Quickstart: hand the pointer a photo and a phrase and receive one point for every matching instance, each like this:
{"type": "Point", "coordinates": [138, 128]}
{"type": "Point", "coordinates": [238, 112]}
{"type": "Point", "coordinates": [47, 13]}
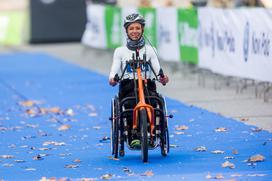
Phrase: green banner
{"type": "Point", "coordinates": [113, 26]}
{"type": "Point", "coordinates": [12, 27]}
{"type": "Point", "coordinates": [187, 34]}
{"type": "Point", "coordinates": [150, 31]}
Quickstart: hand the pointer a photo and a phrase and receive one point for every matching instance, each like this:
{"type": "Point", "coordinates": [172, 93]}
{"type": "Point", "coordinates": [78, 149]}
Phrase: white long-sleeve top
{"type": "Point", "coordinates": [123, 54]}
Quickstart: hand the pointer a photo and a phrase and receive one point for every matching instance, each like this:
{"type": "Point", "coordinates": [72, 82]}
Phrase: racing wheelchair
{"type": "Point", "coordinates": [147, 118]}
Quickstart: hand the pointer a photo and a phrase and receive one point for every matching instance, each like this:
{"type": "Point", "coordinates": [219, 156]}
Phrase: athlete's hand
{"type": "Point", "coordinates": [164, 80]}
{"type": "Point", "coordinates": [112, 82]}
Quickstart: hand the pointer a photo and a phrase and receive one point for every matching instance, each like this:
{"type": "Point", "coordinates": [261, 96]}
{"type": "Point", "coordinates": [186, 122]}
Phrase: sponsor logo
{"type": "Point", "coordinates": [164, 34]}
{"type": "Point", "coordinates": [261, 43]}
{"type": "Point", "coordinates": [188, 35]}
{"type": "Point", "coordinates": [246, 42]}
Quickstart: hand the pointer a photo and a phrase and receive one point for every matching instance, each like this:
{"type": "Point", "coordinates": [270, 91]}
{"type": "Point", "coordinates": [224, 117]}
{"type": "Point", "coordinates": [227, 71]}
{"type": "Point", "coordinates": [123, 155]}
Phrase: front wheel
{"type": "Point", "coordinates": [114, 127]}
{"type": "Point", "coordinates": [144, 135]}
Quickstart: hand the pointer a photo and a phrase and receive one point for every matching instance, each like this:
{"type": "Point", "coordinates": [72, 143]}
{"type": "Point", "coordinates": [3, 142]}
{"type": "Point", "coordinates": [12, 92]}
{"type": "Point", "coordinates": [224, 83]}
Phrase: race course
{"type": "Point", "coordinates": [54, 123]}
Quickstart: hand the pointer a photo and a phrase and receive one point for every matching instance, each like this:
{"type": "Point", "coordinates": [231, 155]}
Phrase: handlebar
{"type": "Point", "coordinates": [136, 62]}
{"type": "Point", "coordinates": [116, 78]}
{"type": "Point", "coordinates": [161, 74]}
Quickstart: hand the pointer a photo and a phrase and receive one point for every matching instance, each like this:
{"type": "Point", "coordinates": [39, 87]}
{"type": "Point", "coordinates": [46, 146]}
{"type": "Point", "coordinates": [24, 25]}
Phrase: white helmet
{"type": "Point", "coordinates": [132, 18]}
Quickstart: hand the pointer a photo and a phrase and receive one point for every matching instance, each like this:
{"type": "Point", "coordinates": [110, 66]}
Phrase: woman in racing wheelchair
{"type": "Point", "coordinates": [134, 27]}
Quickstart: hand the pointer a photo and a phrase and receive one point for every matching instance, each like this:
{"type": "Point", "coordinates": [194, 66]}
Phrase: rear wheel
{"type": "Point", "coordinates": [144, 135]}
{"type": "Point", "coordinates": [164, 142]}
{"type": "Point", "coordinates": [164, 132]}
{"type": "Point", "coordinates": [114, 128]}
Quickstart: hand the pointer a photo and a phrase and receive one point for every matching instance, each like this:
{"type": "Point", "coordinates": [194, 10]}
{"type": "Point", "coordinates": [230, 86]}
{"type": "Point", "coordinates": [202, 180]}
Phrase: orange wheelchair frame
{"type": "Point", "coordinates": [151, 121]}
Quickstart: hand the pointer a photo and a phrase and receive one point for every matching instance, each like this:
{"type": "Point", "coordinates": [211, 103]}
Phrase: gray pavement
{"type": "Point", "coordinates": [228, 96]}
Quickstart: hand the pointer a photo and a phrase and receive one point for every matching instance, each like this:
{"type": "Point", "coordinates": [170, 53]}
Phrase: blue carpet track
{"type": "Point", "coordinates": [54, 116]}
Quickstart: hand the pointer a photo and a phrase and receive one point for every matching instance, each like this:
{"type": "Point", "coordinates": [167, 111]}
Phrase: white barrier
{"type": "Point", "coordinates": [94, 34]}
{"type": "Point", "coordinates": [236, 42]}
{"type": "Point", "coordinates": [233, 42]}
{"type": "Point", "coordinates": [103, 30]}
{"type": "Point", "coordinates": [168, 46]}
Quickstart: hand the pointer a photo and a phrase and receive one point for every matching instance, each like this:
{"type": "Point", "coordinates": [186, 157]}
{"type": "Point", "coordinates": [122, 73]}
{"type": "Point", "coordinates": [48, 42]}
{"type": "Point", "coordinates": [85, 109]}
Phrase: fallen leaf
{"type": "Point", "coordinates": [30, 169]}
{"type": "Point", "coordinates": [218, 152]}
{"type": "Point", "coordinates": [31, 112]}
{"type": "Point", "coordinates": [69, 112]}
{"type": "Point", "coordinates": [228, 157]}
{"type": "Point", "coordinates": [96, 127]}
{"type": "Point", "coordinates": [38, 157]}
{"type": "Point", "coordinates": [201, 149]}
{"type": "Point", "coordinates": [256, 175]}
{"type": "Point", "coordinates": [105, 138]}
{"type": "Point", "coordinates": [53, 143]}
{"type": "Point", "coordinates": [106, 176]}
{"type": "Point", "coordinates": [173, 146]}
{"type": "Point", "coordinates": [19, 161]}
{"type": "Point", "coordinates": [113, 158]}
{"type": "Point", "coordinates": [7, 165]}
{"type": "Point", "coordinates": [65, 154]}
{"type": "Point", "coordinates": [71, 166]}
{"type": "Point", "coordinates": [221, 129]}
{"type": "Point", "coordinates": [236, 175]}
{"type": "Point", "coordinates": [43, 154]}
{"type": "Point", "coordinates": [256, 129]}
{"type": "Point", "coordinates": [28, 103]}
{"type": "Point", "coordinates": [256, 158]}
{"type": "Point", "coordinates": [3, 129]}
{"type": "Point", "coordinates": [219, 176]}
{"type": "Point", "coordinates": [32, 125]}
{"type": "Point", "coordinates": [182, 127]}
{"type": "Point", "coordinates": [148, 173]}
{"type": "Point", "coordinates": [93, 114]}
{"type": "Point", "coordinates": [228, 164]}
{"type": "Point", "coordinates": [55, 110]}
{"type": "Point", "coordinates": [43, 110]}
{"type": "Point", "coordinates": [12, 146]}
{"type": "Point", "coordinates": [44, 149]}
{"type": "Point", "coordinates": [87, 179]}
{"type": "Point", "coordinates": [235, 152]}
{"type": "Point", "coordinates": [64, 127]}
{"type": "Point", "coordinates": [127, 170]}
{"type": "Point", "coordinates": [77, 161]}
{"type": "Point", "coordinates": [6, 156]}
{"type": "Point", "coordinates": [244, 119]}
{"type": "Point", "coordinates": [209, 176]}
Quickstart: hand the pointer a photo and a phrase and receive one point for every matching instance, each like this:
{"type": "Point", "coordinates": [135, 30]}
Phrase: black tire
{"type": "Point", "coordinates": [114, 128]}
{"type": "Point", "coordinates": [164, 132]}
{"type": "Point", "coordinates": [164, 142]}
{"type": "Point", "coordinates": [122, 141]}
{"type": "Point", "coordinates": [144, 135]}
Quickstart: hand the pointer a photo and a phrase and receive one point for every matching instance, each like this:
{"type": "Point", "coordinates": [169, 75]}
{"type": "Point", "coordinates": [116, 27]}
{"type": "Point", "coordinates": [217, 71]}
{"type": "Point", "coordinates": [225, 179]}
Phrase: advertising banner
{"type": "Point", "coordinates": [12, 27]}
{"type": "Point", "coordinates": [150, 26]}
{"type": "Point", "coordinates": [95, 32]}
{"type": "Point", "coordinates": [167, 36]}
{"type": "Point", "coordinates": [113, 25]}
{"type": "Point", "coordinates": [188, 35]}
{"type": "Point", "coordinates": [236, 42]}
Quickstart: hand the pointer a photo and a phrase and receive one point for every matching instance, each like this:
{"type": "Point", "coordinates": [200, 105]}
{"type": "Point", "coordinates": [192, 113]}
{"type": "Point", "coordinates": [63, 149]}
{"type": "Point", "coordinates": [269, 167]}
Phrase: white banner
{"type": "Point", "coordinates": [167, 35]}
{"type": "Point", "coordinates": [95, 35]}
{"type": "Point", "coordinates": [236, 42]}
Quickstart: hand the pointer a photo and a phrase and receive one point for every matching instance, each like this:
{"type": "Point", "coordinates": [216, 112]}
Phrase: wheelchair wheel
{"type": "Point", "coordinates": [164, 132]}
{"type": "Point", "coordinates": [114, 127]}
{"type": "Point", "coordinates": [144, 139]}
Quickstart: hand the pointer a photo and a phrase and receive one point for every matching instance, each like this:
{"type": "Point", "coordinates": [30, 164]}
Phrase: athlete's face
{"type": "Point", "coordinates": [135, 31]}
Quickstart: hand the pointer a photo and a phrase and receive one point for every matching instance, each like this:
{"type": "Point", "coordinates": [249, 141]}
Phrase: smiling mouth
{"type": "Point", "coordinates": [135, 36]}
